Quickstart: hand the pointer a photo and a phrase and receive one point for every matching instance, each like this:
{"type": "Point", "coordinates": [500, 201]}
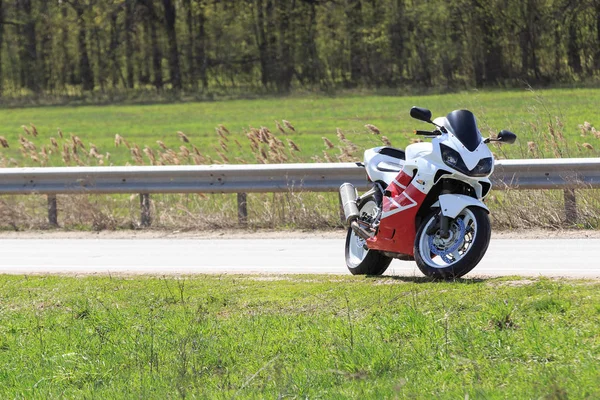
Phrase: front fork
{"type": "Point", "coordinates": [441, 225]}
{"type": "Point", "coordinates": [441, 222]}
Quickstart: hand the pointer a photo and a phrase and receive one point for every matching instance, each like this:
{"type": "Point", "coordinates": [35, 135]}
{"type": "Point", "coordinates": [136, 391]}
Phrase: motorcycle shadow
{"type": "Point", "coordinates": [383, 279]}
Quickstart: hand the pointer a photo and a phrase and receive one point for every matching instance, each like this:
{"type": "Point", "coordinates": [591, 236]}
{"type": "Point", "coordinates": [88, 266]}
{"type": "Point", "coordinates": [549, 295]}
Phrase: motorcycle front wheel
{"type": "Point", "coordinates": [456, 255]}
{"type": "Point", "coordinates": [359, 259]}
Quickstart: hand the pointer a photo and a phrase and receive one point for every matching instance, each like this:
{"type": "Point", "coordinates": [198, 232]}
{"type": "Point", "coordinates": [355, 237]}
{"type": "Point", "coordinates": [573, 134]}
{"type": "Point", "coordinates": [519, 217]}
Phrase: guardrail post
{"type": "Point", "coordinates": [52, 210]}
{"type": "Point", "coordinates": [146, 219]}
{"type": "Point", "coordinates": [242, 208]}
{"type": "Point", "coordinates": [570, 206]}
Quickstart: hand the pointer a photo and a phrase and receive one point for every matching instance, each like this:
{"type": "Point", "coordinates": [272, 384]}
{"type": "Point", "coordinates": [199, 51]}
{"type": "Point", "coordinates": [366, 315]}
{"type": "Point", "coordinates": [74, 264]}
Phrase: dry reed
{"type": "Point", "coordinates": [373, 129]}
{"type": "Point", "coordinates": [289, 125]}
{"type": "Point", "coordinates": [294, 209]}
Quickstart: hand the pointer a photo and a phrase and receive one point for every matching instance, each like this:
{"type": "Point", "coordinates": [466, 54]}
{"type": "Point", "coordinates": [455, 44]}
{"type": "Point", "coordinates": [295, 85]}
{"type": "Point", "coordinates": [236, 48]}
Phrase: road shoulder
{"type": "Point", "coordinates": [268, 234]}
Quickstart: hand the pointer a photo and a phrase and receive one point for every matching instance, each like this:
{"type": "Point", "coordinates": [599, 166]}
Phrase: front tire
{"type": "Point", "coordinates": [457, 255]}
{"type": "Point", "coordinates": [359, 260]}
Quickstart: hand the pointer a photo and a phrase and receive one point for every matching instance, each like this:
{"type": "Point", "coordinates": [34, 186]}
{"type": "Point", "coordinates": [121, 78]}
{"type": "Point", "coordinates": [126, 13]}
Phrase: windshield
{"type": "Point", "coordinates": [464, 126]}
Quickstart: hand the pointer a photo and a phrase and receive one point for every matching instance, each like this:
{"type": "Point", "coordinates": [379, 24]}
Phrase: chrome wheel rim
{"type": "Point", "coordinates": [438, 252]}
{"type": "Point", "coordinates": [357, 250]}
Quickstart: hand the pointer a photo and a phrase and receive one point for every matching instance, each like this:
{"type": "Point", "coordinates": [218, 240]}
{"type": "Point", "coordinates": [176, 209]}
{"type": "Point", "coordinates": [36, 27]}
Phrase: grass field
{"type": "Point", "coordinates": [526, 113]}
{"type": "Point", "coordinates": [298, 337]}
{"type": "Point", "coordinates": [547, 122]}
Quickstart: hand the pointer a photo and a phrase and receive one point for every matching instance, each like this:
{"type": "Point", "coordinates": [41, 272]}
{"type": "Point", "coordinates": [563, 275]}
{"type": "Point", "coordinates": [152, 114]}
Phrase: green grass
{"type": "Point", "coordinates": [526, 113]}
{"type": "Point", "coordinates": [541, 119]}
{"type": "Point", "coordinates": [298, 337]}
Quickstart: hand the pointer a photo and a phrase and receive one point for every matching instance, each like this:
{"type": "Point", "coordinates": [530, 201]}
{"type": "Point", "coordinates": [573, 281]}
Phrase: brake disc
{"type": "Point", "coordinates": [443, 253]}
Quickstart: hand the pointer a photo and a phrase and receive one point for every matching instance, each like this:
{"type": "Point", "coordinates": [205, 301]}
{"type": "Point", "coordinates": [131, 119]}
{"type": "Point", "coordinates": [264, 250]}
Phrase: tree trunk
{"type": "Point", "coordinates": [146, 55]}
{"type": "Point", "coordinates": [170, 20]}
{"type": "Point", "coordinates": [573, 51]}
{"type": "Point", "coordinates": [86, 76]}
{"type": "Point", "coordinates": [66, 71]}
{"type": "Point", "coordinates": [100, 61]}
{"type": "Point", "coordinates": [201, 60]}
{"type": "Point", "coordinates": [85, 70]}
{"type": "Point", "coordinates": [156, 57]}
{"type": "Point", "coordinates": [262, 43]}
{"type": "Point", "coordinates": [112, 51]}
{"type": "Point", "coordinates": [45, 56]}
{"type": "Point", "coordinates": [493, 62]}
{"type": "Point", "coordinates": [285, 62]}
{"type": "Point", "coordinates": [128, 45]}
{"type": "Point", "coordinates": [396, 33]}
{"type": "Point", "coordinates": [524, 44]}
{"type": "Point", "coordinates": [29, 56]}
{"type": "Point", "coordinates": [557, 55]}
{"type": "Point", "coordinates": [534, 20]}
{"type": "Point", "coordinates": [534, 60]}
{"type": "Point", "coordinates": [312, 64]}
{"type": "Point", "coordinates": [597, 53]}
{"type": "Point", "coordinates": [191, 61]}
{"type": "Point", "coordinates": [423, 74]}
{"type": "Point", "coordinates": [1, 45]}
{"type": "Point", "coordinates": [354, 24]}
{"type": "Point", "coordinates": [271, 40]}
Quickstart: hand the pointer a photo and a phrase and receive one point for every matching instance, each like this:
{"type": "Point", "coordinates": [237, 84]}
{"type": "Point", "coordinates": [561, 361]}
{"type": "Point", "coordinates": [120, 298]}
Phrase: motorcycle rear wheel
{"type": "Point", "coordinates": [359, 260]}
{"type": "Point", "coordinates": [472, 246]}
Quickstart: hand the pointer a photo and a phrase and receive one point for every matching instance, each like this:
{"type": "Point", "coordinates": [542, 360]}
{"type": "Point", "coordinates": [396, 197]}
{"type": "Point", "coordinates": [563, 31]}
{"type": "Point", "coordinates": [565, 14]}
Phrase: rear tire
{"type": "Point", "coordinates": [468, 255]}
{"type": "Point", "coordinates": [361, 261]}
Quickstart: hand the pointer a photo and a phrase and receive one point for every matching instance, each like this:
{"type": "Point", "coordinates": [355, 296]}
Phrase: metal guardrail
{"type": "Point", "coordinates": [181, 179]}
{"type": "Point", "coordinates": [566, 174]}
{"type": "Point", "coordinates": [550, 173]}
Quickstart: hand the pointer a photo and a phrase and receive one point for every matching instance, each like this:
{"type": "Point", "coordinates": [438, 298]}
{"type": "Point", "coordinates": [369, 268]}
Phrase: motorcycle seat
{"type": "Point", "coordinates": [392, 152]}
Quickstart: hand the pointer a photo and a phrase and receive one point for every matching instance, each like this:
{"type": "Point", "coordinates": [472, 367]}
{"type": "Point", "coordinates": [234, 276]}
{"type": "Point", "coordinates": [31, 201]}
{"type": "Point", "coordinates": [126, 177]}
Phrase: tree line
{"type": "Point", "coordinates": [74, 46]}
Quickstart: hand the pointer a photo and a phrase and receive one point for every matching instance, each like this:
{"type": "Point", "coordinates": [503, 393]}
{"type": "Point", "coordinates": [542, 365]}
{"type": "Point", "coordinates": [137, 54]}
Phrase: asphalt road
{"type": "Point", "coordinates": [527, 257]}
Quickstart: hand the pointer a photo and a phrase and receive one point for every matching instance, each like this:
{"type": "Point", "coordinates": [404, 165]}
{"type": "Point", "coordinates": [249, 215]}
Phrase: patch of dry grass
{"type": "Point", "coordinates": [510, 209]}
{"type": "Point", "coordinates": [173, 211]}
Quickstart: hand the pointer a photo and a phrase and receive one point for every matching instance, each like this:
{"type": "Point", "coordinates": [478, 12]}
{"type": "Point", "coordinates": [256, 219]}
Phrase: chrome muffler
{"type": "Point", "coordinates": [348, 197]}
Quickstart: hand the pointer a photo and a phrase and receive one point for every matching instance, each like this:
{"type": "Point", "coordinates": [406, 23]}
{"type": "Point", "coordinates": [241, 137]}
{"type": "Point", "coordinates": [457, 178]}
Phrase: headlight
{"type": "Point", "coordinates": [483, 167]}
{"type": "Point", "coordinates": [453, 159]}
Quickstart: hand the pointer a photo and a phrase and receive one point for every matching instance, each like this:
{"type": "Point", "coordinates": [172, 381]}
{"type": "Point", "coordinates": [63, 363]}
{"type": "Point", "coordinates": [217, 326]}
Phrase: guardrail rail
{"type": "Point", "coordinates": [567, 174]}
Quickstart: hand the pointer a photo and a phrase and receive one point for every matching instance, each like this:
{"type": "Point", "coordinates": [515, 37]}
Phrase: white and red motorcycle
{"type": "Point", "coordinates": [426, 204]}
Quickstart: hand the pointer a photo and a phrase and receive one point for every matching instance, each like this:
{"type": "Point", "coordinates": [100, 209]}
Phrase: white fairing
{"type": "Point", "coordinates": [381, 167]}
{"type": "Point", "coordinates": [452, 204]}
{"type": "Point", "coordinates": [424, 160]}
{"type": "Point", "coordinates": [417, 150]}
{"type": "Point", "coordinates": [471, 158]}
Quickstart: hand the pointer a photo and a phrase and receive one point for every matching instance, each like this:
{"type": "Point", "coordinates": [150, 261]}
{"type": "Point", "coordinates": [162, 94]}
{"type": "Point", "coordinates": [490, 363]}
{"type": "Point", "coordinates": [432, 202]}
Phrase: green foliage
{"type": "Point", "coordinates": [546, 122]}
{"type": "Point", "coordinates": [305, 336]}
{"type": "Point", "coordinates": [206, 47]}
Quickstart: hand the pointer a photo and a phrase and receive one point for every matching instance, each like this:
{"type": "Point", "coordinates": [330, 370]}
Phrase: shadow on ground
{"type": "Point", "coordinates": [426, 279]}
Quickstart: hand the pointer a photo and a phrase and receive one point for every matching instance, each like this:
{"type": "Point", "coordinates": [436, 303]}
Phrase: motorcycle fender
{"type": "Point", "coordinates": [452, 204]}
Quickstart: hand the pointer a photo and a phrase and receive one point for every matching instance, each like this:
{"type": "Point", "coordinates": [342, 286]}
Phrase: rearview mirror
{"type": "Point", "coordinates": [506, 137]}
{"type": "Point", "coordinates": [422, 114]}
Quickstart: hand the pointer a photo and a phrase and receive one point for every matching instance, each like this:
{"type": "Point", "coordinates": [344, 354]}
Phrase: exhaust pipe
{"type": "Point", "coordinates": [348, 196]}
{"type": "Point", "coordinates": [360, 231]}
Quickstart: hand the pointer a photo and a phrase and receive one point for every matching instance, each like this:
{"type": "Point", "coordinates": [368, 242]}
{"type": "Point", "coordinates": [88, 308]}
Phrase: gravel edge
{"type": "Point", "coordinates": [267, 234]}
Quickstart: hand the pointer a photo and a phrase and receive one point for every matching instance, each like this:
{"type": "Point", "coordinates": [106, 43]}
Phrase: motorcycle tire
{"type": "Point", "coordinates": [469, 260]}
{"type": "Point", "coordinates": [361, 261]}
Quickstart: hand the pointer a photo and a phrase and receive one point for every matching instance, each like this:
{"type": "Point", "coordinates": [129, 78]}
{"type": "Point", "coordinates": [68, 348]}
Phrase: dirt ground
{"type": "Point", "coordinates": [268, 234]}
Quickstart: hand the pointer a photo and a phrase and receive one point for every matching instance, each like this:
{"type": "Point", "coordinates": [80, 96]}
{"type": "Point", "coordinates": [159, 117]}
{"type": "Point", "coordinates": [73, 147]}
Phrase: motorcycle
{"type": "Point", "coordinates": [426, 203]}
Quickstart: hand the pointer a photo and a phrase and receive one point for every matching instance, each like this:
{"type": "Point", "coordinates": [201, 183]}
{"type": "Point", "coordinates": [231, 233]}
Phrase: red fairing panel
{"type": "Point", "coordinates": [397, 229]}
{"type": "Point", "coordinates": [399, 184]}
